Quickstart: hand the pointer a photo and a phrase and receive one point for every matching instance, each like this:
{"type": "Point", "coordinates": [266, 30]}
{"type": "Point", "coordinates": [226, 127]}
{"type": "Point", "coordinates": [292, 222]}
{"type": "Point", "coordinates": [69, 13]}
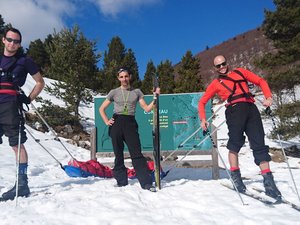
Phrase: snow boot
{"type": "Point", "coordinates": [121, 176]}
{"type": "Point", "coordinates": [149, 187]}
{"type": "Point", "coordinates": [270, 186]}
{"type": "Point", "coordinates": [237, 179]}
{"type": "Point", "coordinates": [23, 189]}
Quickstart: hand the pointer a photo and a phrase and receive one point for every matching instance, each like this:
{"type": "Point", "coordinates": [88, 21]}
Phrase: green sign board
{"type": "Point", "coordinates": [178, 120]}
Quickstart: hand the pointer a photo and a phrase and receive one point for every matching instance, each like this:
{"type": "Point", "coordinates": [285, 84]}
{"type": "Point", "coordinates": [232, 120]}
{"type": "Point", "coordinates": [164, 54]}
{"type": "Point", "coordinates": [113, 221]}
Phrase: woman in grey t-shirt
{"type": "Point", "coordinates": [124, 128]}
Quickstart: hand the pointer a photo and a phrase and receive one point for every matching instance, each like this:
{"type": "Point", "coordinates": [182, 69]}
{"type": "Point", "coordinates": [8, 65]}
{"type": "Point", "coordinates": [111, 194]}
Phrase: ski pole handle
{"type": "Point", "coordinates": [155, 82]}
{"type": "Point", "coordinates": [205, 132]}
{"type": "Point", "coordinates": [268, 111]}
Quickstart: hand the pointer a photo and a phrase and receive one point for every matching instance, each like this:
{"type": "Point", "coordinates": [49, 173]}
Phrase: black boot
{"type": "Point", "coordinates": [23, 189]}
{"type": "Point", "coordinates": [121, 176]}
{"type": "Point", "coordinates": [149, 187]}
{"type": "Point", "coordinates": [143, 173]}
{"type": "Point", "coordinates": [270, 186]}
{"type": "Point", "coordinates": [237, 179]}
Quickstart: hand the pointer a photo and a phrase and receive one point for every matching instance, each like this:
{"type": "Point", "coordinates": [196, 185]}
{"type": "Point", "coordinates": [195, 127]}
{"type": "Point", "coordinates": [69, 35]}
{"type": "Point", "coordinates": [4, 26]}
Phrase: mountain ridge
{"type": "Point", "coordinates": [240, 51]}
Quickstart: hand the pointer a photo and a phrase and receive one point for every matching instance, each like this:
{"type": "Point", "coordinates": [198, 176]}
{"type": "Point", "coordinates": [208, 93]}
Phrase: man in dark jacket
{"type": "Point", "coordinates": [14, 68]}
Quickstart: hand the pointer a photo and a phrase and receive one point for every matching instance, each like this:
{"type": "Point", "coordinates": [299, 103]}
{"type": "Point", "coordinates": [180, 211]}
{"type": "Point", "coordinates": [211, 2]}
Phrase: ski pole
{"type": "Point", "coordinates": [188, 138]}
{"type": "Point", "coordinates": [223, 162]}
{"type": "Point", "coordinates": [268, 111]}
{"type": "Point", "coordinates": [195, 132]}
{"type": "Point", "coordinates": [195, 146]}
{"type": "Point", "coordinates": [37, 141]}
{"type": "Point", "coordinates": [156, 133]}
{"type": "Point", "coordinates": [18, 161]}
{"type": "Point", "coordinates": [50, 129]}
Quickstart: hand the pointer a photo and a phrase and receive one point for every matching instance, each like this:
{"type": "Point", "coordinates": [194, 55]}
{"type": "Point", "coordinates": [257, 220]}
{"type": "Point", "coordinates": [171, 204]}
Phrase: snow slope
{"type": "Point", "coordinates": [188, 195]}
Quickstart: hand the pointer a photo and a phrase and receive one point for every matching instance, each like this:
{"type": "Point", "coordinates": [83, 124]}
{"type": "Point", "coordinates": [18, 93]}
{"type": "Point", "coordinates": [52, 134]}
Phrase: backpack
{"type": "Point", "coordinates": [232, 97]}
{"type": "Point", "coordinates": [7, 86]}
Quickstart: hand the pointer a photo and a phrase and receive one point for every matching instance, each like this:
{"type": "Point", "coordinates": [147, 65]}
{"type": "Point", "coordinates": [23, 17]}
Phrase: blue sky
{"type": "Point", "coordinates": [153, 29]}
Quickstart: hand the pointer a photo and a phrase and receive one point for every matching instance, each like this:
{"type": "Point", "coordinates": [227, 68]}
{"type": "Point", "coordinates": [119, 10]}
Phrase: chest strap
{"type": "Point", "coordinates": [7, 88]}
{"type": "Point", "coordinates": [232, 96]}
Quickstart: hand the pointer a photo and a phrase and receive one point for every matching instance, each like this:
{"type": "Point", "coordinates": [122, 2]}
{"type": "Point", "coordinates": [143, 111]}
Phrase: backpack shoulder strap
{"type": "Point", "coordinates": [9, 66]}
{"type": "Point", "coordinates": [223, 84]}
{"type": "Point", "coordinates": [226, 78]}
{"type": "Point", "coordinates": [240, 73]}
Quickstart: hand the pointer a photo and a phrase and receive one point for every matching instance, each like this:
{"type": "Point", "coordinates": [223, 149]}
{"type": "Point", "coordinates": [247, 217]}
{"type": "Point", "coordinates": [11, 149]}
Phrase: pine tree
{"type": "Point", "coordinates": [147, 83]}
{"type": "Point", "coordinates": [74, 64]}
{"type": "Point", "coordinates": [2, 27]}
{"type": "Point", "coordinates": [113, 61]}
{"type": "Point", "coordinates": [166, 75]}
{"type": "Point", "coordinates": [283, 27]}
{"type": "Point", "coordinates": [130, 63]}
{"type": "Point", "coordinates": [188, 79]}
{"type": "Point", "coordinates": [38, 53]}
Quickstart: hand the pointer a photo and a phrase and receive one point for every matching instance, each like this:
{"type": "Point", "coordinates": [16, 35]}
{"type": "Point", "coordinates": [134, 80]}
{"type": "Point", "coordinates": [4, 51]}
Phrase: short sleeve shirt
{"type": "Point", "coordinates": [18, 71]}
{"type": "Point", "coordinates": [122, 98]}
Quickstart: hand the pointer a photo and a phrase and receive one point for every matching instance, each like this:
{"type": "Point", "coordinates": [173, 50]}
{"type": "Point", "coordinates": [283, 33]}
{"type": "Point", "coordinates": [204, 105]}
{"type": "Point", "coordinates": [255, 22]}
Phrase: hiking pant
{"type": "Point", "coordinates": [10, 119]}
{"type": "Point", "coordinates": [125, 129]}
{"type": "Point", "coordinates": [245, 117]}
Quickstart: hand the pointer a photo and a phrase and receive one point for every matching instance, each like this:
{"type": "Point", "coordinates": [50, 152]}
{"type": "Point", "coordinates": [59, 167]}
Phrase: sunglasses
{"type": "Point", "coordinates": [15, 41]}
{"type": "Point", "coordinates": [122, 70]}
{"type": "Point", "coordinates": [220, 65]}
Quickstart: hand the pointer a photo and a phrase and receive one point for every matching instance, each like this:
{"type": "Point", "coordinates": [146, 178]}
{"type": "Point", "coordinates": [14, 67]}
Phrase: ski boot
{"type": "Point", "coordinates": [23, 189]}
{"type": "Point", "coordinates": [237, 179]}
{"type": "Point", "coordinates": [270, 186]}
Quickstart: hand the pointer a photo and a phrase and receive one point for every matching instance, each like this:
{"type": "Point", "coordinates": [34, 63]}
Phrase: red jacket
{"type": "Point", "coordinates": [215, 87]}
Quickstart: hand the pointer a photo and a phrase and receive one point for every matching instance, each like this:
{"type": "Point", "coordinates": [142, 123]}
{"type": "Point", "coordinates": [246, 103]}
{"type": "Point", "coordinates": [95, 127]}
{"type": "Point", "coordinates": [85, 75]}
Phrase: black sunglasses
{"type": "Point", "coordinates": [221, 64]}
{"type": "Point", "coordinates": [15, 41]}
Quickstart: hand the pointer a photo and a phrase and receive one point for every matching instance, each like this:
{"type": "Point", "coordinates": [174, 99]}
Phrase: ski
{"type": "Point", "coordinates": [155, 133]}
{"type": "Point", "coordinates": [251, 195]}
{"type": "Point", "coordinates": [282, 200]}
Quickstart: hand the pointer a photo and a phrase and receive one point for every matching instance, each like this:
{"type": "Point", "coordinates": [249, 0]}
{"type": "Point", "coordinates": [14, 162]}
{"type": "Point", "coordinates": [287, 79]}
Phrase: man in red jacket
{"type": "Point", "coordinates": [242, 116]}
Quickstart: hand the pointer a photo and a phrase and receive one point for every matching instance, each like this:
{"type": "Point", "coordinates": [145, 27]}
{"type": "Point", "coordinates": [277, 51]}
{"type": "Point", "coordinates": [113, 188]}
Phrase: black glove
{"type": "Point", "coordinates": [268, 111]}
{"type": "Point", "coordinates": [22, 98]}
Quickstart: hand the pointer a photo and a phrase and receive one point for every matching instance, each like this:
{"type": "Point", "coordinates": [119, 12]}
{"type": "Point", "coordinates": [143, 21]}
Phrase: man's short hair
{"type": "Point", "coordinates": [14, 30]}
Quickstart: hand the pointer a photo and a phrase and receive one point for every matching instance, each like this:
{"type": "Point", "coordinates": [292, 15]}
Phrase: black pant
{"type": "Point", "coordinates": [10, 119]}
{"type": "Point", "coordinates": [125, 129]}
{"type": "Point", "coordinates": [245, 117]}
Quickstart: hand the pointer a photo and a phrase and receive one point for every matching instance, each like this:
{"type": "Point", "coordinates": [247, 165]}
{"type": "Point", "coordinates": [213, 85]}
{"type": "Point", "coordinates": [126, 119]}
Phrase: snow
{"type": "Point", "coordinates": [188, 195]}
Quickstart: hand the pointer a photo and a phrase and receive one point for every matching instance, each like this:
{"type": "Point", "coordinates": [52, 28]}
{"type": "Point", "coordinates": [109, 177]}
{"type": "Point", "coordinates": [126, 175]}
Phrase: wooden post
{"type": "Point", "coordinates": [93, 140]}
{"type": "Point", "coordinates": [215, 158]}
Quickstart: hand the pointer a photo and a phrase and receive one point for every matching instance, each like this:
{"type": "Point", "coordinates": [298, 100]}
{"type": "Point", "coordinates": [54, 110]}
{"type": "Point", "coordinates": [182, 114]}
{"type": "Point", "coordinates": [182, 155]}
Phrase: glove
{"type": "Point", "coordinates": [22, 98]}
{"type": "Point", "coordinates": [268, 111]}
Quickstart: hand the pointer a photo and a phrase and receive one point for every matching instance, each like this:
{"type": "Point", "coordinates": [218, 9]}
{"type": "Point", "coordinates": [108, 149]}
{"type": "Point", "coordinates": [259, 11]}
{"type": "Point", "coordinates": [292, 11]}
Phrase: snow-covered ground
{"type": "Point", "coordinates": [188, 195]}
